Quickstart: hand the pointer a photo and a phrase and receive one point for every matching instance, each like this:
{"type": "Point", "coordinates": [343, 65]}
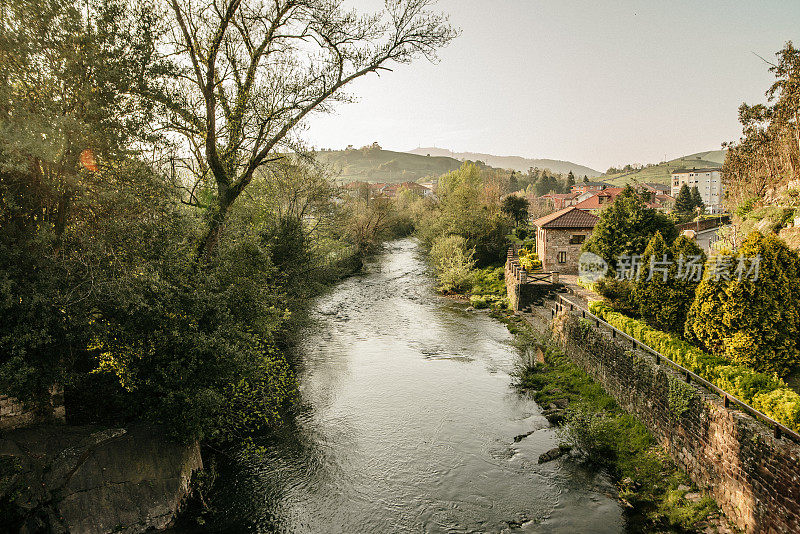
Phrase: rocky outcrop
{"type": "Point", "coordinates": [90, 480]}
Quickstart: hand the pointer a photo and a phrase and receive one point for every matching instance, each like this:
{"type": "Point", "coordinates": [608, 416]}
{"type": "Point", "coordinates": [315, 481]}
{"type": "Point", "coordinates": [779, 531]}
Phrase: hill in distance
{"type": "Point", "coordinates": [516, 163]}
{"type": "Point", "coordinates": [661, 173]}
{"type": "Point", "coordinates": [377, 165]}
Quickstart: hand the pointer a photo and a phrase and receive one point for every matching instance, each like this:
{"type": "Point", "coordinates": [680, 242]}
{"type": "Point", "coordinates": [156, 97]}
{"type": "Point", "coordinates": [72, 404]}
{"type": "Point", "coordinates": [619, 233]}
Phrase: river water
{"type": "Point", "coordinates": [408, 425]}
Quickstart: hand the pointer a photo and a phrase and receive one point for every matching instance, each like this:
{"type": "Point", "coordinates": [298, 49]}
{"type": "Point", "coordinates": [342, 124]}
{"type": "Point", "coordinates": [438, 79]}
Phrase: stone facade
{"type": "Point", "coordinates": [553, 245]}
{"type": "Point", "coordinates": [752, 475]}
{"type": "Point", "coordinates": [17, 414]}
{"type": "Point", "coordinates": [521, 291]}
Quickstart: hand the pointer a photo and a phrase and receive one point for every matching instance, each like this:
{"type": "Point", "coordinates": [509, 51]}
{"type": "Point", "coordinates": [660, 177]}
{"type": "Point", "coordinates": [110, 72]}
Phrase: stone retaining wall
{"type": "Point", "coordinates": [754, 477]}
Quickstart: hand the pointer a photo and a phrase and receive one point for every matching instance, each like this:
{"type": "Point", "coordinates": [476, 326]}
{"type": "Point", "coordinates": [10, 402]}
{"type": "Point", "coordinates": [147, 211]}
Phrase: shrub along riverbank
{"type": "Point", "coordinates": [658, 497]}
{"type": "Point", "coordinates": [764, 392]}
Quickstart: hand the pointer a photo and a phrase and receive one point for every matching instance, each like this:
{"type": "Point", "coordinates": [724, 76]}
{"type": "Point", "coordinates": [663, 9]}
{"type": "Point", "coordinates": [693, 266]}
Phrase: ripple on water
{"type": "Point", "coordinates": [410, 426]}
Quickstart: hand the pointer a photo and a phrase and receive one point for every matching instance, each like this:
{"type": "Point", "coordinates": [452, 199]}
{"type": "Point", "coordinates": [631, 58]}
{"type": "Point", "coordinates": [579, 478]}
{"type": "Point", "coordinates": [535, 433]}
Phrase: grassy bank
{"type": "Point", "coordinates": [657, 496]}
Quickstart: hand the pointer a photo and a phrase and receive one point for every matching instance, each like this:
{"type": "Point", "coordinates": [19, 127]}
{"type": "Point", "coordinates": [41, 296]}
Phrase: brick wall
{"type": "Point", "coordinates": [16, 414]}
{"type": "Point", "coordinates": [754, 477]}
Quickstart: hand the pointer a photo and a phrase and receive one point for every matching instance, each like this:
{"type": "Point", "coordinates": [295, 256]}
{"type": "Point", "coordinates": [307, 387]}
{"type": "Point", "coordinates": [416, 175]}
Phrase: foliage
{"type": "Point", "coordinates": [101, 288]}
{"type": "Point", "coordinates": [468, 206]}
{"type": "Point", "coordinates": [683, 202]}
{"type": "Point", "coordinates": [489, 281]}
{"type": "Point", "coordinates": [453, 263]}
{"type": "Point", "coordinates": [767, 153]}
{"type": "Point", "coordinates": [762, 391]}
{"type": "Point", "coordinates": [752, 322]}
{"type": "Point", "coordinates": [626, 226]}
{"type": "Point", "coordinates": [478, 302]}
{"type": "Point", "coordinates": [529, 260]}
{"type": "Point", "coordinates": [697, 199]}
{"type": "Point", "coordinates": [608, 436]}
{"type": "Point", "coordinates": [619, 293]}
{"type": "Point", "coordinates": [664, 298]}
{"type": "Point", "coordinates": [515, 207]}
{"type": "Point", "coordinates": [247, 75]}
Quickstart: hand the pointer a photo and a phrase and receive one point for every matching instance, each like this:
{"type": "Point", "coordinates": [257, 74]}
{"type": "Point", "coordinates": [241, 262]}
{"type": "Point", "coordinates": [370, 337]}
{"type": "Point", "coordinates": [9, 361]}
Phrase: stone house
{"type": "Point", "coordinates": [560, 236]}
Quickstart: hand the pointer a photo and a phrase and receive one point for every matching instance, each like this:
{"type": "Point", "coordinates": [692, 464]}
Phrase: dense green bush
{"type": "Point", "coordinates": [489, 281]}
{"type": "Point", "coordinates": [453, 263]}
{"type": "Point", "coordinates": [762, 391]}
{"type": "Point", "coordinates": [752, 322]}
{"type": "Point", "coordinates": [664, 296]}
{"type": "Point", "coordinates": [619, 293]}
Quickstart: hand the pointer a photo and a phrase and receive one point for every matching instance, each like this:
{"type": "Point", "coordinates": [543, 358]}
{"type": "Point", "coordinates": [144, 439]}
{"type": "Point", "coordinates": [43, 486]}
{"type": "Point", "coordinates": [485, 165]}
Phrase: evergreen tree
{"type": "Point", "coordinates": [570, 181]}
{"type": "Point", "coordinates": [755, 322]}
{"type": "Point", "coordinates": [665, 290]}
{"type": "Point", "coordinates": [683, 203]}
{"type": "Point", "coordinates": [516, 207]}
{"type": "Point", "coordinates": [697, 200]}
{"type": "Point", "coordinates": [626, 227]}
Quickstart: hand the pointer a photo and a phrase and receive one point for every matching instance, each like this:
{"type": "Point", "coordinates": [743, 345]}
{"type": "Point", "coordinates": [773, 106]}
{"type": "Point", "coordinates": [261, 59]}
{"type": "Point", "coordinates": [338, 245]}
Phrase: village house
{"type": "Point", "coordinates": [599, 200]}
{"type": "Point", "coordinates": [583, 187]}
{"type": "Point", "coordinates": [561, 200]}
{"type": "Point", "coordinates": [560, 236]}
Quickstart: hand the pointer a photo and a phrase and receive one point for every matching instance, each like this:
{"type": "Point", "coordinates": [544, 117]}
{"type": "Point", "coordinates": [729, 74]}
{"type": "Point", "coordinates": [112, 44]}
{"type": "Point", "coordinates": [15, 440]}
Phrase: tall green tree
{"type": "Point", "coordinates": [251, 71]}
{"type": "Point", "coordinates": [666, 289]}
{"type": "Point", "coordinates": [626, 227]}
{"type": "Point", "coordinates": [683, 202]}
{"type": "Point", "coordinates": [768, 153]}
{"type": "Point", "coordinates": [697, 200]}
{"type": "Point", "coordinates": [570, 181]}
{"type": "Point", "coordinates": [516, 207]}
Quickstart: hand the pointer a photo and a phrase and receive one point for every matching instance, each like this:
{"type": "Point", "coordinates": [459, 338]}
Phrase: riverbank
{"type": "Point", "coordinates": [406, 423]}
{"type": "Point", "coordinates": [657, 496]}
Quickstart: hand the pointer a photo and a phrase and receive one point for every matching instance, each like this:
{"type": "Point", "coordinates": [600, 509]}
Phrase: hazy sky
{"type": "Point", "coordinates": [595, 82]}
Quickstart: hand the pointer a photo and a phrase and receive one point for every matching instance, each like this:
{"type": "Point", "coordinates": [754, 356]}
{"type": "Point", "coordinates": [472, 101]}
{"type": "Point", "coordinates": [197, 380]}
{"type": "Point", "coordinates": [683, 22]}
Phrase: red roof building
{"type": "Point", "coordinates": [599, 201]}
{"type": "Point", "coordinates": [560, 236]}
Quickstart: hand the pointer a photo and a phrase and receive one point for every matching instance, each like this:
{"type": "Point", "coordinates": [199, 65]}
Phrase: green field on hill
{"type": "Point", "coordinates": [376, 165]}
{"type": "Point", "coordinates": [661, 173]}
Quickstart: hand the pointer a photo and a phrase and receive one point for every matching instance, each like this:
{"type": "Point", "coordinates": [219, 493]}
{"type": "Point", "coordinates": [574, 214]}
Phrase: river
{"type": "Point", "coordinates": [408, 425]}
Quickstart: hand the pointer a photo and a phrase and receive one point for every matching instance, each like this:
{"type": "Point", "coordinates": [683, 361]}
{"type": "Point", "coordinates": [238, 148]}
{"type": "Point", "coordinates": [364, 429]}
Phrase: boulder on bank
{"type": "Point", "coordinates": [61, 478]}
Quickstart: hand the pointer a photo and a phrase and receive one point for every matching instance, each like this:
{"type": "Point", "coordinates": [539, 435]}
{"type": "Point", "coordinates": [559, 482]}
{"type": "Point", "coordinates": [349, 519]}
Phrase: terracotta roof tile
{"type": "Point", "coordinates": [570, 217]}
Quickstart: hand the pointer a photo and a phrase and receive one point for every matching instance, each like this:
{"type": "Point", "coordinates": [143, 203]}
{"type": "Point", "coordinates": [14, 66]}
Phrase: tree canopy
{"type": "Point", "coordinates": [626, 226]}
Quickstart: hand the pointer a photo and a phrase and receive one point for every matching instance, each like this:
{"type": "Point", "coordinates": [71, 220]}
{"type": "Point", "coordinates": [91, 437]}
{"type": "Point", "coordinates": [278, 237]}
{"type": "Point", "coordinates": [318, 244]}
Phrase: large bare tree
{"type": "Point", "coordinates": [249, 71]}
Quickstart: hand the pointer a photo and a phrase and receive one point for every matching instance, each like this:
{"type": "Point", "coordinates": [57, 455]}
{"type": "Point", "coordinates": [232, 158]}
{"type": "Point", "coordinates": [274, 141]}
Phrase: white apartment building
{"type": "Point", "coordinates": [708, 182]}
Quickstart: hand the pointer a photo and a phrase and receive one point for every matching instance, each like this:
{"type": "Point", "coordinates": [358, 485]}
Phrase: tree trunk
{"type": "Point", "coordinates": [209, 242]}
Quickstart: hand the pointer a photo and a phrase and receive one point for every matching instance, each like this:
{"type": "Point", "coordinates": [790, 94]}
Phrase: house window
{"type": "Point", "coordinates": [577, 239]}
{"type": "Point", "coordinates": [562, 257]}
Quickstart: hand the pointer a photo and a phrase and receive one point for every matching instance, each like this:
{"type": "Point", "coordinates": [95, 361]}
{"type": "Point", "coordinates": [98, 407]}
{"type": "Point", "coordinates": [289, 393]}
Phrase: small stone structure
{"type": "Point", "coordinates": [752, 475]}
{"type": "Point", "coordinates": [560, 237]}
{"type": "Point", "coordinates": [17, 414]}
{"type": "Point", "coordinates": [525, 289]}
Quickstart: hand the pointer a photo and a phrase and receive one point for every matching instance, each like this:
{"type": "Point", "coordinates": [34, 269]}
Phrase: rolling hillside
{"type": "Point", "coordinates": [517, 163]}
{"type": "Point", "coordinates": [374, 165]}
{"type": "Point", "coordinates": [661, 173]}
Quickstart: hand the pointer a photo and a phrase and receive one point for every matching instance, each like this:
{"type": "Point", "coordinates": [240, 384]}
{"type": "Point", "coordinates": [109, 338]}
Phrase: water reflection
{"type": "Point", "coordinates": [409, 426]}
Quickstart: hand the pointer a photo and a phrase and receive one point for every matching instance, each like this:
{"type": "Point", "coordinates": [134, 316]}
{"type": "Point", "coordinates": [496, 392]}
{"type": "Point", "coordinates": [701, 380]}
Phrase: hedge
{"type": "Point", "coordinates": [763, 392]}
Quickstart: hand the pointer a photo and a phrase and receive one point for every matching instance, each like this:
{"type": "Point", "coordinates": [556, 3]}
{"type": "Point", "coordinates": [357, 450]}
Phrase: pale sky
{"type": "Point", "coordinates": [598, 83]}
